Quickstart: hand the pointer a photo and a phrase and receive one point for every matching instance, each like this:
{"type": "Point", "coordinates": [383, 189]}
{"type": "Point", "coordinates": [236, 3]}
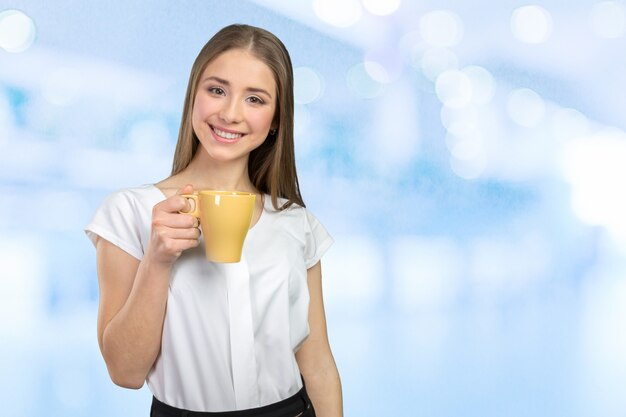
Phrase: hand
{"type": "Point", "coordinates": [172, 231]}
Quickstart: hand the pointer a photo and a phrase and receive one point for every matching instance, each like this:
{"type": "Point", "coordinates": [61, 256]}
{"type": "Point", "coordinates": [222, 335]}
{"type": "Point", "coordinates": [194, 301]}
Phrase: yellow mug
{"type": "Point", "coordinates": [225, 218]}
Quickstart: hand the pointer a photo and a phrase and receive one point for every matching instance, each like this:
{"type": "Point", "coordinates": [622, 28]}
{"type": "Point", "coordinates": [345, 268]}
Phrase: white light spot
{"type": "Point", "coordinates": [441, 28]}
{"type": "Point", "coordinates": [525, 107]}
{"type": "Point", "coordinates": [483, 84]}
{"type": "Point", "coordinates": [454, 89]}
{"type": "Point", "coordinates": [384, 64]}
{"type": "Point", "coordinates": [459, 121]}
{"type": "Point", "coordinates": [595, 168]}
{"type": "Point", "coordinates": [608, 19]}
{"type": "Point", "coordinates": [466, 148]}
{"type": "Point", "coordinates": [531, 24]}
{"type": "Point", "coordinates": [434, 61]}
{"type": "Point", "coordinates": [361, 83]}
{"type": "Point", "coordinates": [468, 169]}
{"type": "Point", "coordinates": [308, 85]}
{"type": "Point", "coordinates": [17, 31]}
{"type": "Point", "coordinates": [381, 7]}
{"type": "Point", "coordinates": [467, 155]}
{"type": "Point", "coordinates": [377, 72]}
{"type": "Point", "coordinates": [339, 13]}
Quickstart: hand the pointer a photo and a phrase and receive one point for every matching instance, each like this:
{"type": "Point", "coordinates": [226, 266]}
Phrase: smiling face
{"type": "Point", "coordinates": [234, 106]}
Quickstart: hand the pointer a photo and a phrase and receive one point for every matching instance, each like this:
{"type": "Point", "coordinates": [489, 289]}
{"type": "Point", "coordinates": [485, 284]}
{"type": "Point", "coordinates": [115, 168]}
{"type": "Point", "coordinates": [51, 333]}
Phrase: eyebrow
{"type": "Point", "coordinates": [227, 83]}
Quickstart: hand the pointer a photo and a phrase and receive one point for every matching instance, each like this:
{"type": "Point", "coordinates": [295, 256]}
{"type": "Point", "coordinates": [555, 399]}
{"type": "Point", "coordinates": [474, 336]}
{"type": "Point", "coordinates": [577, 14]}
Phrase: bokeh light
{"type": "Point", "coordinates": [361, 83]}
{"type": "Point", "coordinates": [468, 168]}
{"type": "Point", "coordinates": [466, 147]}
{"type": "Point", "coordinates": [384, 64]}
{"type": "Point", "coordinates": [454, 88]}
{"type": "Point", "coordinates": [459, 121]}
{"type": "Point", "coordinates": [595, 168]}
{"type": "Point", "coordinates": [483, 84]}
{"type": "Point", "coordinates": [339, 13]}
{"type": "Point", "coordinates": [377, 71]}
{"type": "Point", "coordinates": [531, 24]}
{"type": "Point", "coordinates": [17, 31]}
{"type": "Point", "coordinates": [435, 61]}
{"type": "Point", "coordinates": [525, 107]}
{"type": "Point", "coordinates": [441, 28]}
{"type": "Point", "coordinates": [308, 85]}
{"type": "Point", "coordinates": [381, 7]}
{"type": "Point", "coordinates": [608, 19]}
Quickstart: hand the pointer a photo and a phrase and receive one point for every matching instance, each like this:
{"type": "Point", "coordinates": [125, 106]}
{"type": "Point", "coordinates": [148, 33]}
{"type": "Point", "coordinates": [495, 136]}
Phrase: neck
{"type": "Point", "coordinates": [204, 172]}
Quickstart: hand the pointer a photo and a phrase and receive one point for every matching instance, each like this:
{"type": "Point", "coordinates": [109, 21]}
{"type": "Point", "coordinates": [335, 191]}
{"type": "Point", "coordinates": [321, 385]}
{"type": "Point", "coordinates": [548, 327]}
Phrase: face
{"type": "Point", "coordinates": [234, 106]}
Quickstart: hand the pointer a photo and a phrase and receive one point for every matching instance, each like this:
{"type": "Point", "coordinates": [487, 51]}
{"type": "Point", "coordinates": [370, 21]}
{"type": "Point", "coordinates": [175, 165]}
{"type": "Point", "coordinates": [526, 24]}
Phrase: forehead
{"type": "Point", "coordinates": [239, 66]}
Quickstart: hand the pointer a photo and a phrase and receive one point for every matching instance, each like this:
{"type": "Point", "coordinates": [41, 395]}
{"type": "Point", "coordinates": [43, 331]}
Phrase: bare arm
{"type": "Point", "coordinates": [315, 358]}
{"type": "Point", "coordinates": [133, 294]}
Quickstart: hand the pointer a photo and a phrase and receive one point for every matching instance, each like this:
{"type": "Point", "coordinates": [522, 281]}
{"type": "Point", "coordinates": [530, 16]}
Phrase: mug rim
{"type": "Point", "coordinates": [225, 192]}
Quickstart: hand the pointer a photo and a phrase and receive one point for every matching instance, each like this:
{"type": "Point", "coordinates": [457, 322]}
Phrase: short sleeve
{"type": "Point", "coordinates": [317, 240]}
{"type": "Point", "coordinates": [117, 220]}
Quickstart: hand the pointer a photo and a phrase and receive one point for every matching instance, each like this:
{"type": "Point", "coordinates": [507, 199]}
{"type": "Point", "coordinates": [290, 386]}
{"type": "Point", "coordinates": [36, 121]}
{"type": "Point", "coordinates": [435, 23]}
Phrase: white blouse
{"type": "Point", "coordinates": [231, 330]}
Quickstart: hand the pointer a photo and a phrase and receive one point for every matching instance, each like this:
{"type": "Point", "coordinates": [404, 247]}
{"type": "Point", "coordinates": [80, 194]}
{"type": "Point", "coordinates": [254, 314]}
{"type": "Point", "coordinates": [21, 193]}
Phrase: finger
{"type": "Point", "coordinates": [175, 204]}
{"type": "Point", "coordinates": [185, 234]}
{"type": "Point", "coordinates": [187, 189]}
{"type": "Point", "coordinates": [190, 204]}
{"type": "Point", "coordinates": [176, 236]}
{"type": "Point", "coordinates": [174, 220]}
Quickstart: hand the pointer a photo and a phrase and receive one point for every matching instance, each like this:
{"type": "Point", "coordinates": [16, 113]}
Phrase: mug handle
{"type": "Point", "coordinates": [196, 209]}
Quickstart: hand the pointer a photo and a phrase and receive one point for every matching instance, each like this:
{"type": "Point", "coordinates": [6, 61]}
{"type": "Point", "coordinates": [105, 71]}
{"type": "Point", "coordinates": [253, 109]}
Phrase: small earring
{"type": "Point", "coordinates": [272, 132]}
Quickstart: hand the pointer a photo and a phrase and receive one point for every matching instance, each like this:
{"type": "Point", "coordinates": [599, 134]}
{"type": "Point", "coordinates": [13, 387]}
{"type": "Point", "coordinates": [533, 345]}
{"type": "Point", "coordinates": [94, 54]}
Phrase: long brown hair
{"type": "Point", "coordinates": [271, 166]}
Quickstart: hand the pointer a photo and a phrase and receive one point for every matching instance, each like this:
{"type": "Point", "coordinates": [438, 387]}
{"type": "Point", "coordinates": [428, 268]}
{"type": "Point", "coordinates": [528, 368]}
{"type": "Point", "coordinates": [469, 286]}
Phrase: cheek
{"type": "Point", "coordinates": [262, 120]}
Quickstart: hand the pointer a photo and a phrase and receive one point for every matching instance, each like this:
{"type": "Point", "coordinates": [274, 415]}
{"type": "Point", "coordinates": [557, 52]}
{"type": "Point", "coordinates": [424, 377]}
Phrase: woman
{"type": "Point", "coordinates": [221, 339]}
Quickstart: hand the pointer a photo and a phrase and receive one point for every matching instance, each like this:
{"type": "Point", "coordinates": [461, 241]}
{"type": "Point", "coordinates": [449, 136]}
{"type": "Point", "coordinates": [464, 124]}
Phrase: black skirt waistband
{"type": "Point", "coordinates": [290, 407]}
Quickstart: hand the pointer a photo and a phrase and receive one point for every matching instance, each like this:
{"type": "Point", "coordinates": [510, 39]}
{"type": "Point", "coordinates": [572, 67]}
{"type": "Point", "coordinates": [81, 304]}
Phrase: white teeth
{"type": "Point", "coordinates": [227, 135]}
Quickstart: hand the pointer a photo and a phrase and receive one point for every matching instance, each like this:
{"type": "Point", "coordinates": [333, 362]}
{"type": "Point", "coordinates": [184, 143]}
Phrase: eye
{"type": "Point", "coordinates": [255, 100]}
{"type": "Point", "coordinates": [216, 90]}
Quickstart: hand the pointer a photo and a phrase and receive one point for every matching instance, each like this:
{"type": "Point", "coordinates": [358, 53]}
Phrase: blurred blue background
{"type": "Point", "coordinates": [468, 158]}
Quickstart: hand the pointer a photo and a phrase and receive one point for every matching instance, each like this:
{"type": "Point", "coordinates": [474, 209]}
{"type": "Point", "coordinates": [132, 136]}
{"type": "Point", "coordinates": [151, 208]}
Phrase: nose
{"type": "Point", "coordinates": [230, 111]}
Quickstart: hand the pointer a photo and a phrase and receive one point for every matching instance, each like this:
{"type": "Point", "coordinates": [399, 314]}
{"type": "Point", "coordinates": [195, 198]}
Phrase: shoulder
{"type": "Point", "coordinates": [293, 211]}
{"type": "Point", "coordinates": [296, 217]}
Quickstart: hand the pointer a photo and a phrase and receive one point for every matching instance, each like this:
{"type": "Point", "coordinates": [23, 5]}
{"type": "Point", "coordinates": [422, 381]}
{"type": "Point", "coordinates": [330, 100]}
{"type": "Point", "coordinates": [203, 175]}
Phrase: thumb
{"type": "Point", "coordinates": [190, 205]}
{"type": "Point", "coordinates": [187, 189]}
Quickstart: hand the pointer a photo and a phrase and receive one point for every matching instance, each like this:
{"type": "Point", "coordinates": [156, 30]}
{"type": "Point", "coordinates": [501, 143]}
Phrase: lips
{"type": "Point", "coordinates": [225, 136]}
